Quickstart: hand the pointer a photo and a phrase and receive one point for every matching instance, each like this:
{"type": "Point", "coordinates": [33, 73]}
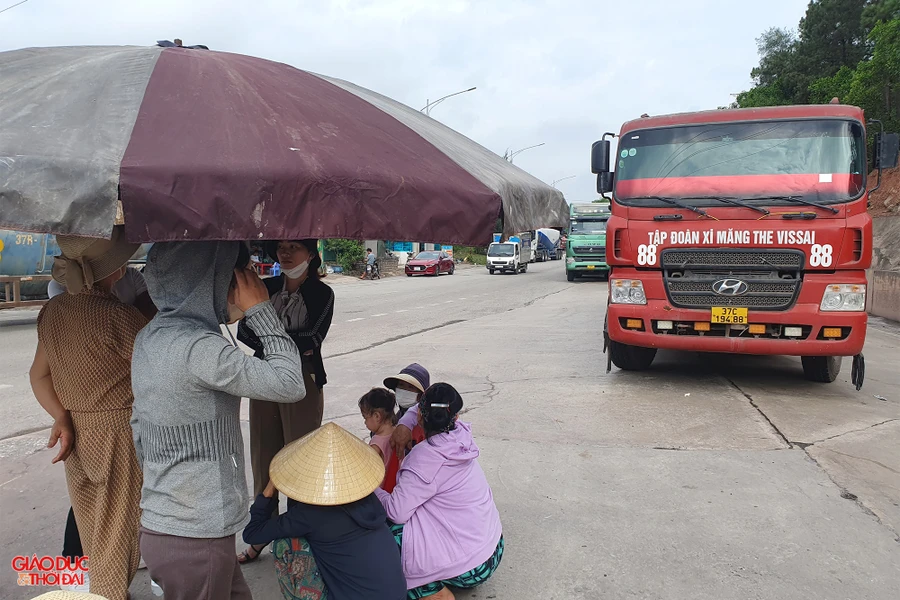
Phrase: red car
{"type": "Point", "coordinates": [430, 263]}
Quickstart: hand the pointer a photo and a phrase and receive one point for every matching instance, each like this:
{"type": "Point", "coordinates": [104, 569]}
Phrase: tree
{"type": "Point", "coordinates": [349, 252]}
{"type": "Point", "coordinates": [880, 11]}
{"type": "Point", "coordinates": [832, 36]}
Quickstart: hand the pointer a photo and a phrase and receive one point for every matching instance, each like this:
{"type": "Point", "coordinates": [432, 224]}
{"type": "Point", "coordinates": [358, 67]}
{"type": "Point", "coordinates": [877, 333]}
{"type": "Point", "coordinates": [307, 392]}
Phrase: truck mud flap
{"type": "Point", "coordinates": [858, 372]}
{"type": "Point", "coordinates": [606, 345]}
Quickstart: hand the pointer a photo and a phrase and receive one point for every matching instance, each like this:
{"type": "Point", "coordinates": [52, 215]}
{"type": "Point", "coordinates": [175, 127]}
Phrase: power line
{"type": "Point", "coordinates": [13, 6]}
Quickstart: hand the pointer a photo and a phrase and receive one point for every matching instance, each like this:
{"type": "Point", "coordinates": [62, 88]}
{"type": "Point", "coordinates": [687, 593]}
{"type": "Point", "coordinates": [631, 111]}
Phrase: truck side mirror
{"type": "Point", "coordinates": [605, 182]}
{"type": "Point", "coordinates": [600, 157]}
{"type": "Point", "coordinates": [887, 150]}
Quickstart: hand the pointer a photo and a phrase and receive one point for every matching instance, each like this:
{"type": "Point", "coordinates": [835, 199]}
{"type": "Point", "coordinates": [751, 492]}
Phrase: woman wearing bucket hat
{"type": "Point", "coordinates": [408, 386]}
{"type": "Point", "coordinates": [305, 305]}
{"type": "Point", "coordinates": [443, 511]}
{"type": "Point", "coordinates": [334, 540]}
{"type": "Point", "coordinates": [82, 376]}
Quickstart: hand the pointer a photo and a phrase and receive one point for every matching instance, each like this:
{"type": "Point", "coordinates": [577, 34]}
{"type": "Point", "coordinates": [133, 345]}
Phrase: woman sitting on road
{"type": "Point", "coordinates": [305, 305]}
{"type": "Point", "coordinates": [446, 523]}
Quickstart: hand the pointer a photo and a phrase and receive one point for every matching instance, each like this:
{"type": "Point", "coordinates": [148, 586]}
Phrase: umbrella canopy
{"type": "Point", "coordinates": [196, 145]}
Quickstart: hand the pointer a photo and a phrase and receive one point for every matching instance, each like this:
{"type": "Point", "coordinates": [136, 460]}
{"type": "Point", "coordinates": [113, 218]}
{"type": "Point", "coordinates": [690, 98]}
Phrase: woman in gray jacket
{"type": "Point", "coordinates": [188, 382]}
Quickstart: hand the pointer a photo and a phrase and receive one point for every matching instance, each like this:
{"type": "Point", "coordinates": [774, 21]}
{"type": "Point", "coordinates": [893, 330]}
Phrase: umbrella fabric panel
{"type": "Point", "coordinates": [234, 147]}
{"type": "Point", "coordinates": [66, 116]}
{"type": "Point", "coordinates": [528, 202]}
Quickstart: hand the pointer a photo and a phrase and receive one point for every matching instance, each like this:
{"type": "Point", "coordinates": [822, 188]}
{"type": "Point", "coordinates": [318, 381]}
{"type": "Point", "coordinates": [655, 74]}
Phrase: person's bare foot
{"type": "Point", "coordinates": [444, 594]}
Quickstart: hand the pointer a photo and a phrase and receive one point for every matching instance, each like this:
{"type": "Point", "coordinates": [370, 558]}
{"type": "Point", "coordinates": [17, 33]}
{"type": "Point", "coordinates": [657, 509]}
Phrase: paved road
{"type": "Point", "coordinates": [705, 477]}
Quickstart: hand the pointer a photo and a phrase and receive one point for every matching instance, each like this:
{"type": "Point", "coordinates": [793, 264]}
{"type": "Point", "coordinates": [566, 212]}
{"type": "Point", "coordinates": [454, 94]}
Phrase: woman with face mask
{"type": "Point", "coordinates": [305, 305]}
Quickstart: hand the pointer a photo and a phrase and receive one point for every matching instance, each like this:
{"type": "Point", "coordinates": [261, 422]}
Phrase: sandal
{"type": "Point", "coordinates": [251, 554]}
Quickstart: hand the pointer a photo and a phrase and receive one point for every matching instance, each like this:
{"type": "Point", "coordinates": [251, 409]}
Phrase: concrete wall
{"type": "Point", "coordinates": [884, 276]}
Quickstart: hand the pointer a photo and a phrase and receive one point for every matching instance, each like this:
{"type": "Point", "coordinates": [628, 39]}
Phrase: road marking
{"type": "Point", "coordinates": [449, 302]}
{"type": "Point", "coordinates": [4, 386]}
{"type": "Point", "coordinates": [435, 304]}
{"type": "Point", "coordinates": [419, 307]}
{"type": "Point", "coordinates": [380, 315]}
{"type": "Point", "coordinates": [463, 298]}
{"type": "Point", "coordinates": [401, 311]}
{"type": "Point", "coordinates": [356, 319]}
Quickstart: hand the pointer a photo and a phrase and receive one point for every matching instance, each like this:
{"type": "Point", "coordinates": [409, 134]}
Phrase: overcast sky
{"type": "Point", "coordinates": [558, 72]}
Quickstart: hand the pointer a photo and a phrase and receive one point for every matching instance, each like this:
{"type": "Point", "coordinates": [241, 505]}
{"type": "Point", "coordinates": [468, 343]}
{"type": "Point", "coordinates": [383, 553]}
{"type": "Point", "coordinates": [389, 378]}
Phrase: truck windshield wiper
{"type": "Point", "coordinates": [798, 200]}
{"type": "Point", "coordinates": [735, 201]}
{"type": "Point", "coordinates": [673, 202]}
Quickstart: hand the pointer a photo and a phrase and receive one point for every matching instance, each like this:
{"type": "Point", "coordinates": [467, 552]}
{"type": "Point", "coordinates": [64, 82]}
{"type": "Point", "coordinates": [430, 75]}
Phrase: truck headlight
{"type": "Point", "coordinates": [570, 260]}
{"type": "Point", "coordinates": [627, 291]}
{"type": "Point", "coordinates": [844, 297]}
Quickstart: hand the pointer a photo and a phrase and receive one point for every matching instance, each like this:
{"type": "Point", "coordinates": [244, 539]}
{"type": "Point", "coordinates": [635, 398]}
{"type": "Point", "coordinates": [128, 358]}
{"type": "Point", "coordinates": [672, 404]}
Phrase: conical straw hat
{"type": "Point", "coordinates": [327, 467]}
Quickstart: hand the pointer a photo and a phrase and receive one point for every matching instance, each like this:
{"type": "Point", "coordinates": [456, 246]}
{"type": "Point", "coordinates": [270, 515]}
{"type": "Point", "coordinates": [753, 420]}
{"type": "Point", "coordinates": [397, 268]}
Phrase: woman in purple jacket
{"type": "Point", "coordinates": [447, 525]}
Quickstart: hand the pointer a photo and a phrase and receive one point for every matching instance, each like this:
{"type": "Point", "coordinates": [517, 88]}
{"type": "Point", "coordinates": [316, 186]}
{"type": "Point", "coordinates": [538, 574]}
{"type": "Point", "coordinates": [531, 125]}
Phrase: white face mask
{"type": "Point", "coordinates": [406, 398]}
{"type": "Point", "coordinates": [297, 272]}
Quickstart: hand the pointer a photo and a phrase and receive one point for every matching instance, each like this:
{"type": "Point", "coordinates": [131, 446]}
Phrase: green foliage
{"type": "Point", "coordinates": [848, 49]}
{"type": "Point", "coordinates": [472, 254]}
{"type": "Point", "coordinates": [349, 252]}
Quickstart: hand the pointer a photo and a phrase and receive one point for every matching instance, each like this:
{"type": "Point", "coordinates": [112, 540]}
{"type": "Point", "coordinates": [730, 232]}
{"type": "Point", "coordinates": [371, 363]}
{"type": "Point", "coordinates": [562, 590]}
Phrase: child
{"type": "Point", "coordinates": [408, 386]}
{"type": "Point", "coordinates": [377, 408]}
{"type": "Point", "coordinates": [334, 542]}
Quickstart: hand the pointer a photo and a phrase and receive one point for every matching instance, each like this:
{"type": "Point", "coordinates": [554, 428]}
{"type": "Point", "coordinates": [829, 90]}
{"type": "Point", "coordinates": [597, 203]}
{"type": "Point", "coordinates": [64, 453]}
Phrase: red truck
{"type": "Point", "coordinates": [740, 231]}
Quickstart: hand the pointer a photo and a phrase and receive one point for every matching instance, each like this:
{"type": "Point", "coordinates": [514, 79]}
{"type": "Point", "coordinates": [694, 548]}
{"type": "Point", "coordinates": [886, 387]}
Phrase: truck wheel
{"type": "Point", "coordinates": [525, 268]}
{"type": "Point", "coordinates": [491, 271]}
{"type": "Point", "coordinates": [570, 276]}
{"type": "Point", "coordinates": [821, 369]}
{"type": "Point", "coordinates": [631, 358]}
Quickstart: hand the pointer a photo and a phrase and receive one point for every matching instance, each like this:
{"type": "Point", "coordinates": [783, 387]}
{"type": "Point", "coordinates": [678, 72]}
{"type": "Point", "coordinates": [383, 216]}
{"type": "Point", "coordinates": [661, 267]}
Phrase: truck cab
{"type": "Point", "coordinates": [586, 241]}
{"type": "Point", "coordinates": [741, 231]}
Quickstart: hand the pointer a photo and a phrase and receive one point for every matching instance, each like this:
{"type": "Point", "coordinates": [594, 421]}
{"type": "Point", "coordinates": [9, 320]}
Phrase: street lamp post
{"type": "Point", "coordinates": [429, 105]}
{"type": "Point", "coordinates": [510, 155]}
{"type": "Point", "coordinates": [555, 181]}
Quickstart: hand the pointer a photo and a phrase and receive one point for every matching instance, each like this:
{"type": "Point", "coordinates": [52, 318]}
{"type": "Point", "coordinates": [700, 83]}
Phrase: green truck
{"type": "Point", "coordinates": [586, 244]}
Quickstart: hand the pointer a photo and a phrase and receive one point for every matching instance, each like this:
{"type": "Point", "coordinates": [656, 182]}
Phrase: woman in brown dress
{"type": "Point", "coordinates": [82, 377]}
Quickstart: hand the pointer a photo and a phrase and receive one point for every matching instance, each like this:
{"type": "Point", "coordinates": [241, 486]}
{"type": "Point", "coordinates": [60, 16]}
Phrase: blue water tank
{"type": "Point", "coordinates": [498, 237]}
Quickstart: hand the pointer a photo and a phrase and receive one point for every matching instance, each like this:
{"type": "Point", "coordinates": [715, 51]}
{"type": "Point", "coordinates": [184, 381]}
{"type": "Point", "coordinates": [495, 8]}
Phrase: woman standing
{"type": "Point", "coordinates": [82, 376]}
{"type": "Point", "coordinates": [305, 305]}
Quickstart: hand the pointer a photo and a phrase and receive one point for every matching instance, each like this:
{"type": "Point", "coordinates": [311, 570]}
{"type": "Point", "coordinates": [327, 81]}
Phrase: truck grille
{"type": "Point", "coordinates": [598, 250]}
{"type": "Point", "coordinates": [771, 278]}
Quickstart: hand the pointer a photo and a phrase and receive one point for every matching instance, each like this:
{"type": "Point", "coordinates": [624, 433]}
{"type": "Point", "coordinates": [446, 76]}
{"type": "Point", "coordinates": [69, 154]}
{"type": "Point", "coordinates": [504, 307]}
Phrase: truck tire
{"type": "Point", "coordinates": [570, 276]}
{"type": "Point", "coordinates": [525, 268]}
{"type": "Point", "coordinates": [821, 369]}
{"type": "Point", "coordinates": [491, 271]}
{"type": "Point", "coordinates": [631, 358]}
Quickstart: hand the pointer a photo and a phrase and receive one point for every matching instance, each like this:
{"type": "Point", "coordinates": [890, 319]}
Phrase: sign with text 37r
{"type": "Point", "coordinates": [52, 571]}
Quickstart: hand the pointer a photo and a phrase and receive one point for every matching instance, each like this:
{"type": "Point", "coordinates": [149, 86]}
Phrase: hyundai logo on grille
{"type": "Point", "coordinates": [730, 287]}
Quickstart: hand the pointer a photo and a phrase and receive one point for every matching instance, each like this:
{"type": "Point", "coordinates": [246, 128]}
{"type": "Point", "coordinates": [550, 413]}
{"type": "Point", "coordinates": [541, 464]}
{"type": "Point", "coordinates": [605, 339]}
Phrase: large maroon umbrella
{"type": "Point", "coordinates": [198, 145]}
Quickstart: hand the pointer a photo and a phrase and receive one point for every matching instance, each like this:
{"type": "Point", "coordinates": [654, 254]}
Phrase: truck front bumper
{"type": "Point", "coordinates": [735, 339]}
{"type": "Point", "coordinates": [588, 267]}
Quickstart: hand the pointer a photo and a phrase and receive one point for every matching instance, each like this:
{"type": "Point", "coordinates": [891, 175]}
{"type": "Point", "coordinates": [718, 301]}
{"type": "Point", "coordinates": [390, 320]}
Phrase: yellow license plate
{"type": "Point", "coordinates": [728, 314]}
{"type": "Point", "coordinates": [590, 267]}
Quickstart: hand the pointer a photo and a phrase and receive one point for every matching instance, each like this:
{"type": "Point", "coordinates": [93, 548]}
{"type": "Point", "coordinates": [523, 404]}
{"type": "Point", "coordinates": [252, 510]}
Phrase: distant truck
{"type": "Point", "coordinates": [548, 247]}
{"type": "Point", "coordinates": [511, 256]}
{"type": "Point", "coordinates": [586, 242]}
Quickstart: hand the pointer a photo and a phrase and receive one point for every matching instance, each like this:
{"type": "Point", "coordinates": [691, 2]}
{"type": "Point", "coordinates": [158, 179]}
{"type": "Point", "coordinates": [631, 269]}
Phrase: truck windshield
{"type": "Point", "coordinates": [501, 250]}
{"type": "Point", "coordinates": [588, 227]}
{"type": "Point", "coordinates": [821, 160]}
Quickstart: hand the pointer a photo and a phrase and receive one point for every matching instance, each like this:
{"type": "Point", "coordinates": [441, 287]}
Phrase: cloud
{"type": "Point", "coordinates": [559, 72]}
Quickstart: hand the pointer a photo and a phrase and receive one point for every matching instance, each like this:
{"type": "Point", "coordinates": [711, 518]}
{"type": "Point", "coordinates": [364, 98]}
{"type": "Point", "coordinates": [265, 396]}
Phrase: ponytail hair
{"type": "Point", "coordinates": [439, 407]}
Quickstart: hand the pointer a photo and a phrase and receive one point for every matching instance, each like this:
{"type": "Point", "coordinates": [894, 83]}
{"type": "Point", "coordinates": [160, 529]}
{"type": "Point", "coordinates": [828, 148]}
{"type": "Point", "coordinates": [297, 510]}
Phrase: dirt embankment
{"type": "Point", "coordinates": [886, 201]}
